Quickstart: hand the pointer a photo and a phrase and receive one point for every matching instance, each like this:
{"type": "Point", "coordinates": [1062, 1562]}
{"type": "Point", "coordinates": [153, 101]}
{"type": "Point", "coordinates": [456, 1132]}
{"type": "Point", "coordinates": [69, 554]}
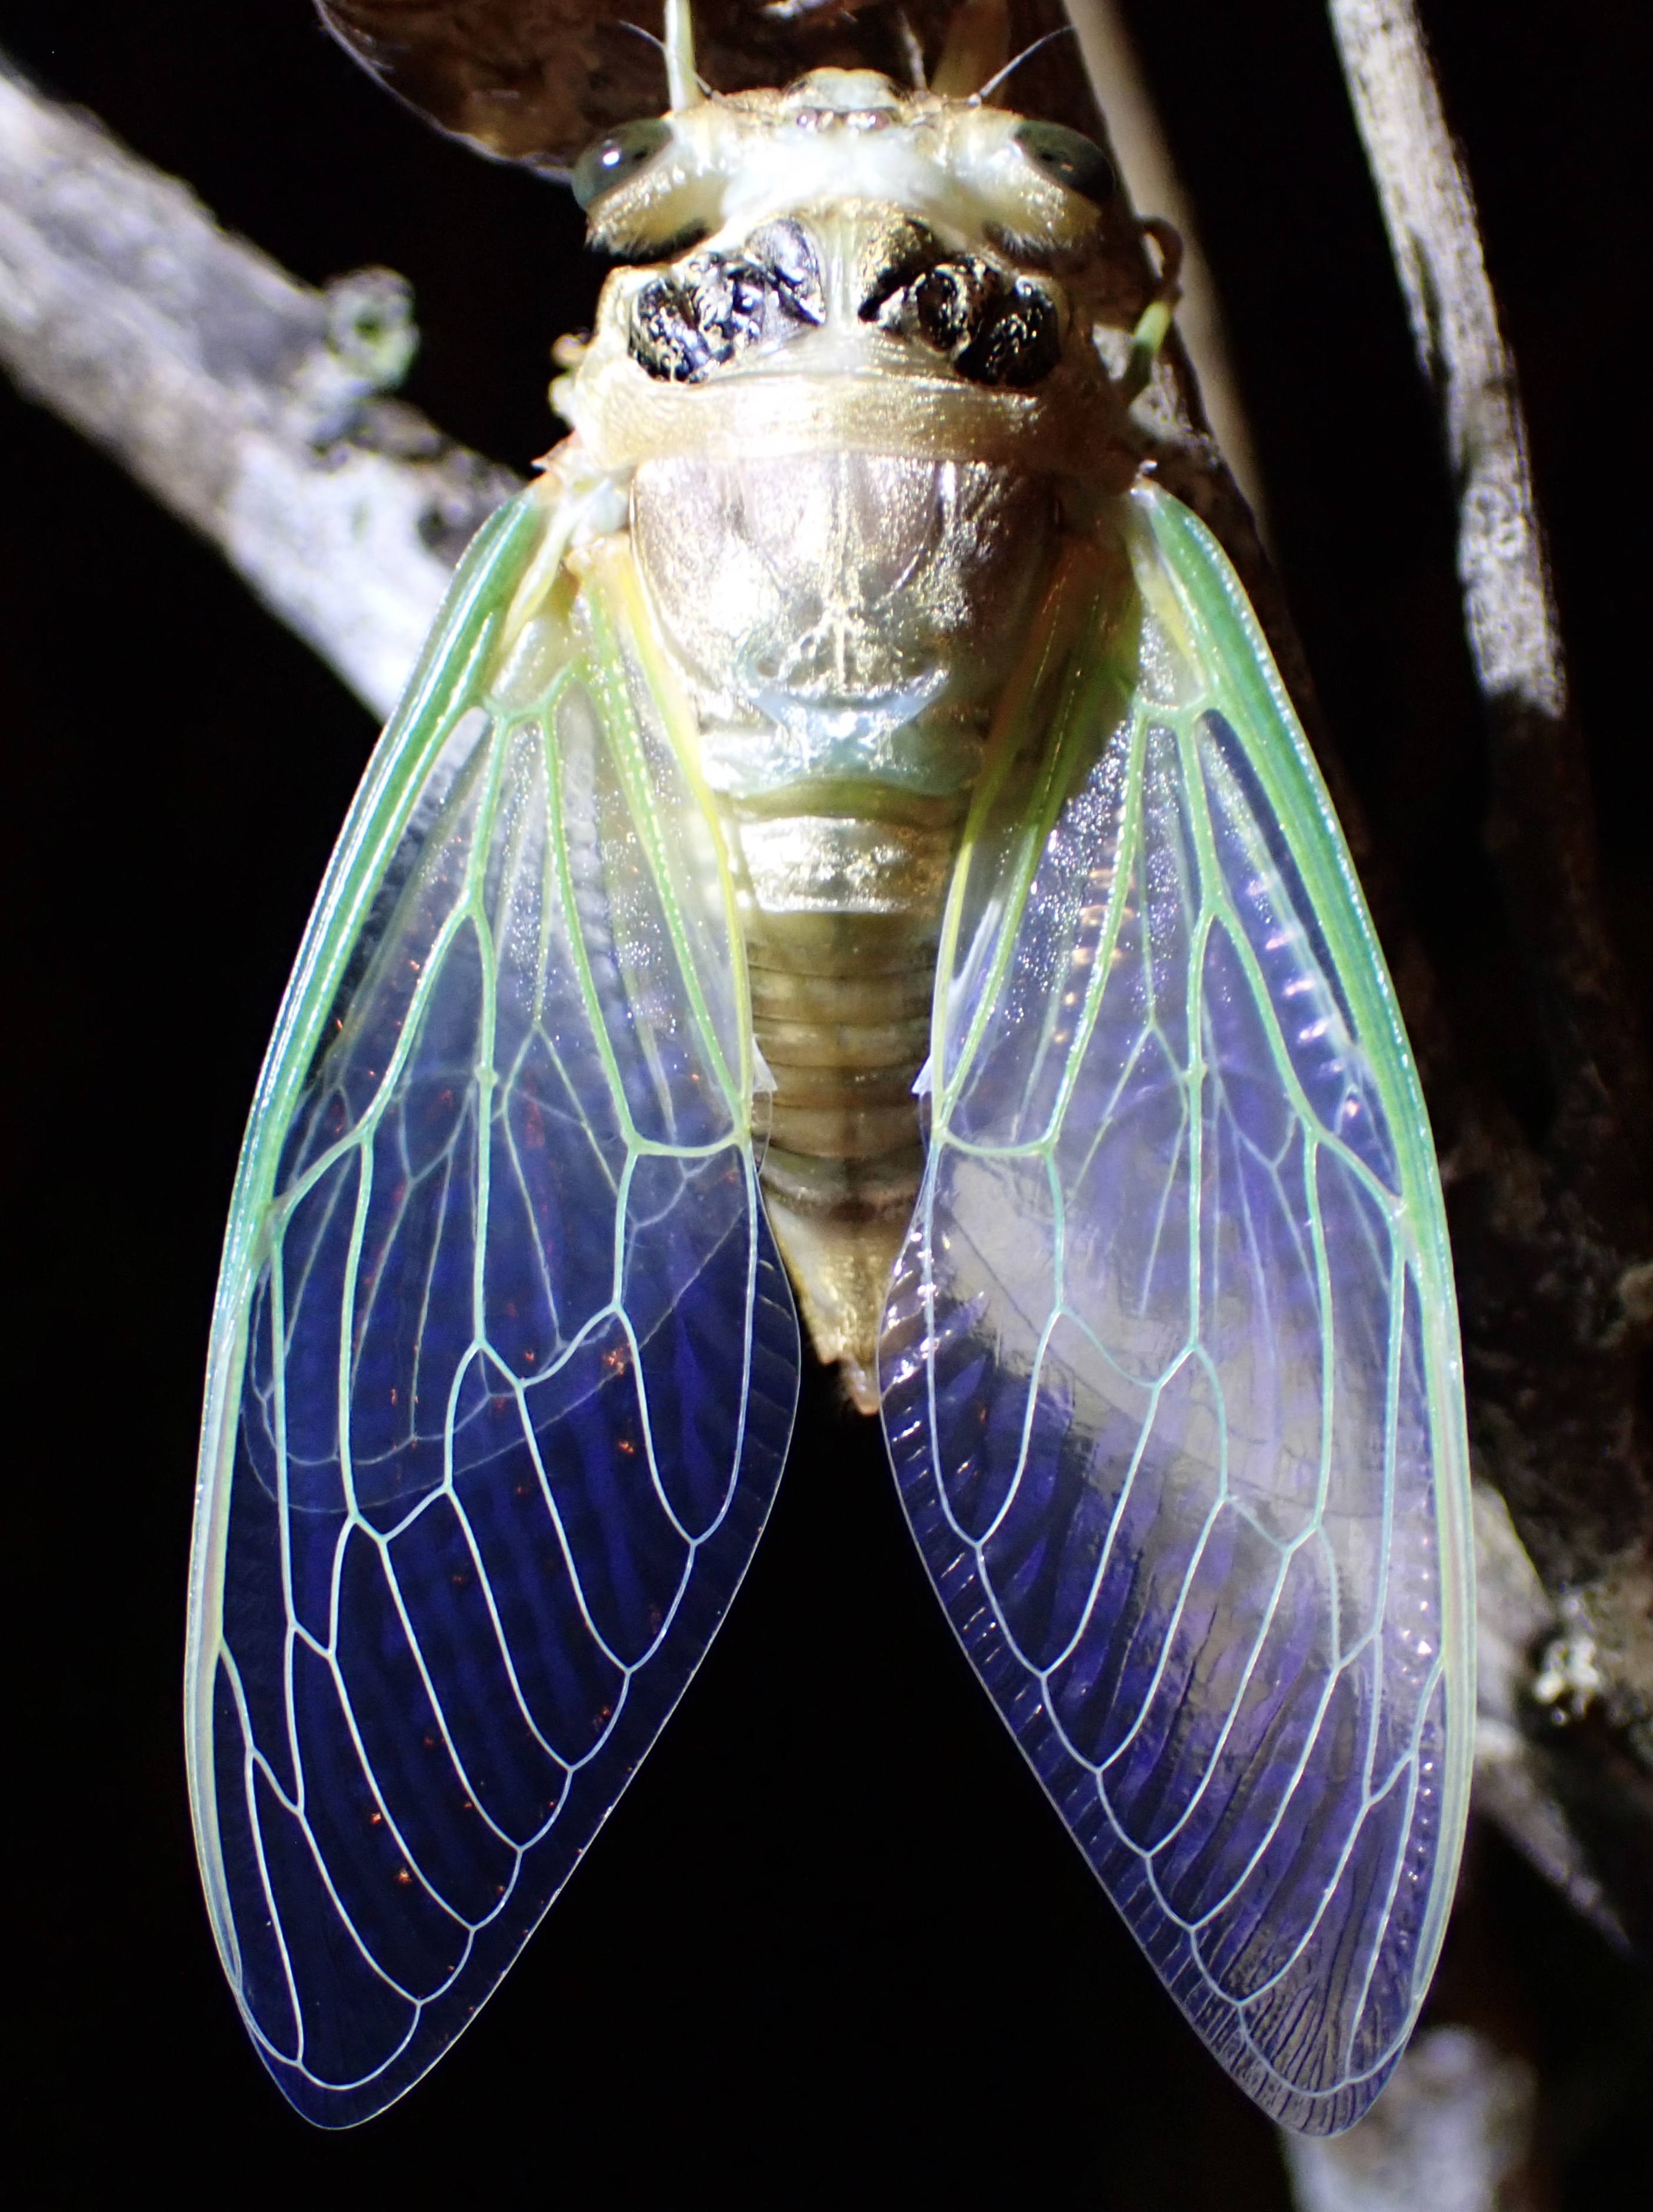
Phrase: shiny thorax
{"type": "Point", "coordinates": [854, 413]}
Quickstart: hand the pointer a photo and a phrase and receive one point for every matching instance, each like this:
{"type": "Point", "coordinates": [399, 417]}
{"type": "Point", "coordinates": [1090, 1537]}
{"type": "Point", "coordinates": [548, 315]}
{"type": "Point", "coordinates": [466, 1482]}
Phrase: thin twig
{"type": "Point", "coordinates": [1151, 178]}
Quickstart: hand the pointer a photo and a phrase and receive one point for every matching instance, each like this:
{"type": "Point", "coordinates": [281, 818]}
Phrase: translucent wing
{"type": "Point", "coordinates": [1171, 1363]}
{"type": "Point", "coordinates": [503, 1365]}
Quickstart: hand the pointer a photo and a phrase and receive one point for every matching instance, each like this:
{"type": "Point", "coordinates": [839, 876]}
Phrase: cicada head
{"type": "Point", "coordinates": [849, 261]}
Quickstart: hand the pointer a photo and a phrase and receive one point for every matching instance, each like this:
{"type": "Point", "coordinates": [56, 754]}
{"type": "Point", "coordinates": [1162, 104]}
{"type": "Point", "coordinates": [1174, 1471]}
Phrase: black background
{"type": "Point", "coordinates": [833, 1948]}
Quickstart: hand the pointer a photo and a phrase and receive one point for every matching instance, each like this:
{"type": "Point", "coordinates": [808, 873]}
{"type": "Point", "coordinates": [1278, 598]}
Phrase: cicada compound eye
{"type": "Point", "coordinates": [1070, 159]}
{"type": "Point", "coordinates": [617, 158]}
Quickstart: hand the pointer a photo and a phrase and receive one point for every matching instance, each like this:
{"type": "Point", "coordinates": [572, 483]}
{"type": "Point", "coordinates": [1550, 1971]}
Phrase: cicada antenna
{"type": "Point", "coordinates": [682, 84]}
{"type": "Point", "coordinates": [973, 64]}
{"type": "Point", "coordinates": [665, 53]}
{"type": "Point", "coordinates": [977, 41]}
{"type": "Point", "coordinates": [1066, 30]}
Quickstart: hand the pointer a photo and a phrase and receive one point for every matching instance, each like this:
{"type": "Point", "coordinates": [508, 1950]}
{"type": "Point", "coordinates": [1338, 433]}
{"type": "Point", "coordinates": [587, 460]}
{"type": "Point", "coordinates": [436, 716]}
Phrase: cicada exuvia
{"type": "Point", "coordinates": [846, 837]}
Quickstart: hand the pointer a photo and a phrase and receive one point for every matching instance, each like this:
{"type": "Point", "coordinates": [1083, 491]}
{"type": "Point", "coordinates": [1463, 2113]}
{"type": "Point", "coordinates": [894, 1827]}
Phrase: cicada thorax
{"type": "Point", "coordinates": [856, 420]}
{"type": "Point", "coordinates": [846, 619]}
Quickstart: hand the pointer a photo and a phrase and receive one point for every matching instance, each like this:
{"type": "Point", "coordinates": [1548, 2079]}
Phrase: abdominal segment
{"type": "Point", "coordinates": [840, 1012]}
{"type": "Point", "coordinates": [844, 622]}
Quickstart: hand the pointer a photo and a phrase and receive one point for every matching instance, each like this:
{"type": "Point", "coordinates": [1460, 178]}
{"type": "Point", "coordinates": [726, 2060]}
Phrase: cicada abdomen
{"type": "Point", "coordinates": [847, 828]}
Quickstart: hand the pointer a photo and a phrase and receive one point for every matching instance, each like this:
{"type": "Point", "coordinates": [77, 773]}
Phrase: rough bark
{"type": "Point", "coordinates": [1553, 1231]}
{"type": "Point", "coordinates": [245, 402]}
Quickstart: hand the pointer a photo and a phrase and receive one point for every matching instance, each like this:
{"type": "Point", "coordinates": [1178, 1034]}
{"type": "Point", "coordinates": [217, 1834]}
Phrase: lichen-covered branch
{"type": "Point", "coordinates": [244, 401]}
{"type": "Point", "coordinates": [1553, 1240]}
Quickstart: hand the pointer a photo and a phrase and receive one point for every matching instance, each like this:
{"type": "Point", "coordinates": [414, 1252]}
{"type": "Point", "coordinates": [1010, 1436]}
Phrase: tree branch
{"type": "Point", "coordinates": [244, 401]}
{"type": "Point", "coordinates": [1430, 214]}
{"type": "Point", "coordinates": [1552, 1240]}
{"type": "Point", "coordinates": [1451, 2129]}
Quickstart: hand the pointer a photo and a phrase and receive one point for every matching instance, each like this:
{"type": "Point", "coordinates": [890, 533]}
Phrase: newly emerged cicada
{"type": "Point", "coordinates": [847, 837]}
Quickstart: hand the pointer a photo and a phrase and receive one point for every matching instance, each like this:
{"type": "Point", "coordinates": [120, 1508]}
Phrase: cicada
{"type": "Point", "coordinates": [846, 842]}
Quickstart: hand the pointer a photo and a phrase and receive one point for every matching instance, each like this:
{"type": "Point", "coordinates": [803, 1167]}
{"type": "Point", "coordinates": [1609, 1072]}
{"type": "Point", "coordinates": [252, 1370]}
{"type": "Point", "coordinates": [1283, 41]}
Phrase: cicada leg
{"type": "Point", "coordinates": [1153, 323]}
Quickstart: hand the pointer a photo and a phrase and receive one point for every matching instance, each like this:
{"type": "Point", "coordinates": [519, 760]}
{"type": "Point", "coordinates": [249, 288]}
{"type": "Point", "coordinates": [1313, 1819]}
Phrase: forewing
{"type": "Point", "coordinates": [503, 1364]}
{"type": "Point", "coordinates": [1171, 1365]}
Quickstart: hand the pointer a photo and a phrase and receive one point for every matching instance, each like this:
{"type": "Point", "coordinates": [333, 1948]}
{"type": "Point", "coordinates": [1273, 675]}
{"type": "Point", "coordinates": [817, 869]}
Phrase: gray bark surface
{"type": "Point", "coordinates": [1552, 1238]}
{"type": "Point", "coordinates": [244, 401]}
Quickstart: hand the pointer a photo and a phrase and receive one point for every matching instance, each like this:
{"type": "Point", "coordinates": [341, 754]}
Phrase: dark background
{"type": "Point", "coordinates": [834, 1946]}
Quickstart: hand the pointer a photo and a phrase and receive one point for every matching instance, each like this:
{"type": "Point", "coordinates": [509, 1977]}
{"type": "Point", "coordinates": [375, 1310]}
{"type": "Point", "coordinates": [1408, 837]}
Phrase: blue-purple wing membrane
{"type": "Point", "coordinates": [505, 1364]}
{"type": "Point", "coordinates": [1171, 1365]}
